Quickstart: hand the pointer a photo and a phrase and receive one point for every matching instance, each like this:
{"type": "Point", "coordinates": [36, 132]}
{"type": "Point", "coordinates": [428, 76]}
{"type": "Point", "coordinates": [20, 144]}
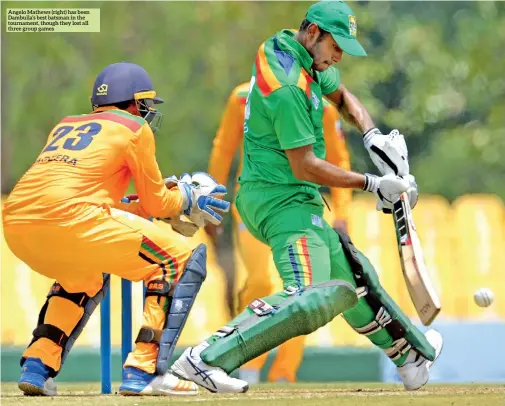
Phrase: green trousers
{"type": "Point", "coordinates": [306, 251]}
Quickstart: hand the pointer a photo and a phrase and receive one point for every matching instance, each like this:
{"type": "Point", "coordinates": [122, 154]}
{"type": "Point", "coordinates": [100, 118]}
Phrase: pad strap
{"type": "Point", "coordinates": [362, 291]}
{"type": "Point", "coordinates": [382, 319]}
{"type": "Point", "coordinates": [225, 331]}
{"type": "Point", "coordinates": [80, 299]}
{"type": "Point", "coordinates": [51, 332]}
{"type": "Point", "coordinates": [260, 307]}
{"type": "Point", "coordinates": [291, 290]}
{"type": "Point", "coordinates": [399, 347]}
{"type": "Point", "coordinates": [149, 335]}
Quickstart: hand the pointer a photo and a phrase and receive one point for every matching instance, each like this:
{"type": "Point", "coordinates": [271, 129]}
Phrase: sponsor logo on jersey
{"type": "Point", "coordinates": [317, 221]}
{"type": "Point", "coordinates": [315, 100]}
{"type": "Point", "coordinates": [57, 158]}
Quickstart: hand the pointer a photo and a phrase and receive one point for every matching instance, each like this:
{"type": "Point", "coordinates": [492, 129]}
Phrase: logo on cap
{"type": "Point", "coordinates": [102, 90]}
{"type": "Point", "coordinates": [353, 28]}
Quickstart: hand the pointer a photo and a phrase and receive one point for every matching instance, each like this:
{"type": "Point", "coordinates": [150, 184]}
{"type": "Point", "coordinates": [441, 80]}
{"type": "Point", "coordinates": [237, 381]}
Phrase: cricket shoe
{"type": "Point", "coordinates": [415, 373]}
{"type": "Point", "coordinates": [190, 366]}
{"type": "Point", "coordinates": [140, 383]}
{"type": "Point", "coordinates": [35, 380]}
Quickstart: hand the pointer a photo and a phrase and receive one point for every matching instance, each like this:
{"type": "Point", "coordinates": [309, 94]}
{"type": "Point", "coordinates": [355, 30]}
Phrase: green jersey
{"type": "Point", "coordinates": [284, 110]}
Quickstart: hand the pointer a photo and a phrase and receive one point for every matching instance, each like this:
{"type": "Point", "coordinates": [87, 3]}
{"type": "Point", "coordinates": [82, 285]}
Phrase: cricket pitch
{"type": "Point", "coordinates": [341, 394]}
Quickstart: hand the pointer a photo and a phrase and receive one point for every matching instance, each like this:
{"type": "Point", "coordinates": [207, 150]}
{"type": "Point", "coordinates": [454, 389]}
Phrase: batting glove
{"type": "Point", "coordinates": [387, 188]}
{"type": "Point", "coordinates": [387, 151]}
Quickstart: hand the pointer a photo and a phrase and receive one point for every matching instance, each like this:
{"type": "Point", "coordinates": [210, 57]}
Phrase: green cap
{"type": "Point", "coordinates": [338, 19]}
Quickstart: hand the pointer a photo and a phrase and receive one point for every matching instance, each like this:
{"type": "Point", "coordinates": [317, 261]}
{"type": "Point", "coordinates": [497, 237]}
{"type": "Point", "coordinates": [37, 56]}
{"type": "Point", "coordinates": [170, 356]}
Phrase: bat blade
{"type": "Point", "coordinates": [419, 284]}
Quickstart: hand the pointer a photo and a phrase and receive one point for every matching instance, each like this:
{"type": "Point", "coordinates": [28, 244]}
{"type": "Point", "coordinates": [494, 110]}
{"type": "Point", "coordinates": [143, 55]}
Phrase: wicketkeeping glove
{"type": "Point", "coordinates": [201, 203]}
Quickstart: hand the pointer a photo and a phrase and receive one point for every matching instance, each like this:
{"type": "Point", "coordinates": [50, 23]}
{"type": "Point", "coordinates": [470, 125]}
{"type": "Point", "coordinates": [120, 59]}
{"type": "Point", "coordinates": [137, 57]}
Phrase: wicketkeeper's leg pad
{"type": "Point", "coordinates": [56, 334]}
{"type": "Point", "coordinates": [387, 313]}
{"type": "Point", "coordinates": [303, 312]}
{"type": "Point", "coordinates": [180, 300]}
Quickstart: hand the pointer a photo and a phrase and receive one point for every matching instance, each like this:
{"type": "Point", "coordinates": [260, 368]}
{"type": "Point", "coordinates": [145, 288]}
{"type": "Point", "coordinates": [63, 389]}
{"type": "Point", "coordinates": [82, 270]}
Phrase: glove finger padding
{"type": "Point", "coordinates": [208, 208]}
{"type": "Point", "coordinates": [218, 191]}
{"type": "Point", "coordinates": [387, 188]}
{"type": "Point", "coordinates": [390, 189]}
{"type": "Point", "coordinates": [412, 191]}
{"type": "Point", "coordinates": [380, 207]}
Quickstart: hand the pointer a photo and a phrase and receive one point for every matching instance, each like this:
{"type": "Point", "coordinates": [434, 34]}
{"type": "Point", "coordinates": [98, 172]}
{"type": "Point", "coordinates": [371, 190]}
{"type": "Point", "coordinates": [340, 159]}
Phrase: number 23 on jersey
{"type": "Point", "coordinates": [73, 139]}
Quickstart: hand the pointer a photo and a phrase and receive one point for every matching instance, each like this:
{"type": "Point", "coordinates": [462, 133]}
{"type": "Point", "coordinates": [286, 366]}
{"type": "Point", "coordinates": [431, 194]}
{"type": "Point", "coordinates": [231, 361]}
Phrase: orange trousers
{"type": "Point", "coordinates": [256, 258]}
{"type": "Point", "coordinates": [77, 253]}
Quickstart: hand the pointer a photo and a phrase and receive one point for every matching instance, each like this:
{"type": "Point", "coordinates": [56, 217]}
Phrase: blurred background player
{"type": "Point", "coordinates": [63, 221]}
{"type": "Point", "coordinates": [255, 255]}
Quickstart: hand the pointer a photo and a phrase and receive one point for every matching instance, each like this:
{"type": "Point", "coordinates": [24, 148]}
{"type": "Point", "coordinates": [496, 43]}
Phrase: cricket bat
{"type": "Point", "coordinates": [420, 287]}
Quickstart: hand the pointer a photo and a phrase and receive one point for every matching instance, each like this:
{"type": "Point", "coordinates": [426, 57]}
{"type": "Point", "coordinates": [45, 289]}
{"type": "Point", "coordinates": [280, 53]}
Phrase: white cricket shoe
{"type": "Point", "coordinates": [139, 383]}
{"type": "Point", "coordinates": [169, 384]}
{"type": "Point", "coordinates": [415, 373]}
{"type": "Point", "coordinates": [191, 367]}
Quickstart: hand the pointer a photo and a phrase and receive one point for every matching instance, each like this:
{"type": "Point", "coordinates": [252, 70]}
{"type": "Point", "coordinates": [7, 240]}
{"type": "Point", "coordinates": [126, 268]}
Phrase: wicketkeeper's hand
{"type": "Point", "coordinates": [201, 198]}
{"type": "Point", "coordinates": [186, 228]}
{"type": "Point", "coordinates": [387, 151]}
{"type": "Point", "coordinates": [387, 188]}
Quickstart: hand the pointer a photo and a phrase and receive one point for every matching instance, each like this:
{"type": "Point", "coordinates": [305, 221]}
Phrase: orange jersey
{"type": "Point", "coordinates": [89, 160]}
{"type": "Point", "coordinates": [230, 136]}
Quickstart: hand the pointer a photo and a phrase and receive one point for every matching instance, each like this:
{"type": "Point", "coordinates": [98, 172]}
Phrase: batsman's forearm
{"type": "Point", "coordinates": [323, 173]}
{"type": "Point", "coordinates": [354, 113]}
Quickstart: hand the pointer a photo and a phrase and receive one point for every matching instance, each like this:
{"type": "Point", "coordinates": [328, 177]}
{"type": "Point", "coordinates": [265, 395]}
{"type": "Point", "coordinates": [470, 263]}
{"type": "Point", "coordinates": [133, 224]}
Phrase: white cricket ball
{"type": "Point", "coordinates": [483, 297]}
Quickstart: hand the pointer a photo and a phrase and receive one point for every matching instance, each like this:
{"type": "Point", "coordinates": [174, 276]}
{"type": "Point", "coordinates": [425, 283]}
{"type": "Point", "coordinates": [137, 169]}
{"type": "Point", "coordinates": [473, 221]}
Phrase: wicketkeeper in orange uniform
{"type": "Point", "coordinates": [254, 254]}
{"type": "Point", "coordinates": [65, 220]}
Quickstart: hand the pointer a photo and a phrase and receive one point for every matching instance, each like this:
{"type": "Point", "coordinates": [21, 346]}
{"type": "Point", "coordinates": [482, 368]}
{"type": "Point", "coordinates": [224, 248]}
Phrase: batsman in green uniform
{"type": "Point", "coordinates": [279, 201]}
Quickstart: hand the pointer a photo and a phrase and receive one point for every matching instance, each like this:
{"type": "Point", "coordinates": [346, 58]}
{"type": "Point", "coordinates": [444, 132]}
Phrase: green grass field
{"type": "Point", "coordinates": [341, 394]}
